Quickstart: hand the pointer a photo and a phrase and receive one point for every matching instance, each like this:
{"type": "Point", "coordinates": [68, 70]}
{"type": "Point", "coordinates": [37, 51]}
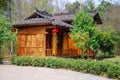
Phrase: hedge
{"type": "Point", "coordinates": [104, 68]}
{"type": "Point", "coordinates": [1, 60]}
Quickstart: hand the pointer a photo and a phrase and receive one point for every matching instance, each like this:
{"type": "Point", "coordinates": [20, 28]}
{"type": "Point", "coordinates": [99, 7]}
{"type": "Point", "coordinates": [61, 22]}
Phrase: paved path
{"type": "Point", "coordinates": [11, 72]}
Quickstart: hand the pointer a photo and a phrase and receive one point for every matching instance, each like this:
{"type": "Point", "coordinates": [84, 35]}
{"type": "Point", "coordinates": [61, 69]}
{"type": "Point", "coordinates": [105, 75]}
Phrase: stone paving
{"type": "Point", "coordinates": [12, 72]}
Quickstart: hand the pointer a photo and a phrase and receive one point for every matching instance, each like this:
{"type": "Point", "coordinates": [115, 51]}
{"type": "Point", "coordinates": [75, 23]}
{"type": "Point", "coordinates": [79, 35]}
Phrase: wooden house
{"type": "Point", "coordinates": [43, 34]}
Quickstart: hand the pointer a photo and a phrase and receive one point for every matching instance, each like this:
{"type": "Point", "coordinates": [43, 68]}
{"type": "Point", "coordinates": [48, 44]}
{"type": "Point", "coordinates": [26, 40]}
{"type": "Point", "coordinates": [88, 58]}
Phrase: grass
{"type": "Point", "coordinates": [115, 59]}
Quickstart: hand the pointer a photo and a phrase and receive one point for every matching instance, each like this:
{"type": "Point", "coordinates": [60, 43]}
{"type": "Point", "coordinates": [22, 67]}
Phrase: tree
{"type": "Point", "coordinates": [89, 37]}
{"type": "Point", "coordinates": [72, 7]}
{"type": "Point", "coordinates": [22, 8]}
{"type": "Point", "coordinates": [5, 28]}
{"type": "Point", "coordinates": [83, 32]}
{"type": "Point", "coordinates": [111, 21]}
{"type": "Point", "coordinates": [107, 39]}
{"type": "Point", "coordinates": [3, 4]}
{"type": "Point", "coordinates": [89, 5]}
{"type": "Point", "coordinates": [103, 7]}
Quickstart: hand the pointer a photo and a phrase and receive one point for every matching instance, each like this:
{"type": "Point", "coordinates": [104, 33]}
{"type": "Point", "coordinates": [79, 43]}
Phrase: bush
{"type": "Point", "coordinates": [108, 68]}
{"type": "Point", "coordinates": [38, 61]}
{"type": "Point", "coordinates": [114, 71]}
{"type": "Point", "coordinates": [1, 60]}
{"type": "Point", "coordinates": [22, 61]}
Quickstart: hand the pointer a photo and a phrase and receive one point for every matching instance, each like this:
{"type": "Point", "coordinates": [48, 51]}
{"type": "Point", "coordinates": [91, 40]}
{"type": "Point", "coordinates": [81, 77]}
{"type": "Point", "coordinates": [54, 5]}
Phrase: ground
{"type": "Point", "coordinates": [116, 58]}
{"type": "Point", "coordinates": [12, 72]}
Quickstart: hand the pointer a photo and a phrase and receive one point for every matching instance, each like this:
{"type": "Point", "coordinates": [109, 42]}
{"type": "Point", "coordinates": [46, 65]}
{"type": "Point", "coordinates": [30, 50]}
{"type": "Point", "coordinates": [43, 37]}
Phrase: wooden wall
{"type": "Point", "coordinates": [31, 41]}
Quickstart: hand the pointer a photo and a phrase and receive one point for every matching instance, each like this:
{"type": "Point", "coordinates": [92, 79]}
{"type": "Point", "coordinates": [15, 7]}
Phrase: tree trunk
{"type": "Point", "coordinates": [0, 51]}
{"type": "Point", "coordinates": [9, 5]}
{"type": "Point", "coordinates": [11, 49]}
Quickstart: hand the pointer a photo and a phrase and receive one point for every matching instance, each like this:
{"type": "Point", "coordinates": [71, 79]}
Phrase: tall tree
{"type": "Point", "coordinates": [22, 8]}
{"type": "Point", "coordinates": [4, 30]}
{"type": "Point", "coordinates": [84, 33]}
{"type": "Point", "coordinates": [111, 21]}
{"type": "Point", "coordinates": [73, 7]}
{"type": "Point", "coordinates": [3, 4]}
{"type": "Point", "coordinates": [87, 36]}
{"type": "Point", "coordinates": [103, 7]}
{"type": "Point", "coordinates": [89, 5]}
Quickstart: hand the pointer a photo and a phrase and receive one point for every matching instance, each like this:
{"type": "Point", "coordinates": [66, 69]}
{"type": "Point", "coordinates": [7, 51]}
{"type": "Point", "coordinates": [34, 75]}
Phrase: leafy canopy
{"type": "Point", "coordinates": [87, 36]}
{"type": "Point", "coordinates": [5, 29]}
{"type": "Point", "coordinates": [83, 32]}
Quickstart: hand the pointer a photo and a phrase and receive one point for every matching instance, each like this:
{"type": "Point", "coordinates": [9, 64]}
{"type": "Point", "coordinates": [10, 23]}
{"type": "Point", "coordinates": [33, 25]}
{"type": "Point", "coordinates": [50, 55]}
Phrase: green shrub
{"type": "Point", "coordinates": [38, 61]}
{"type": "Point", "coordinates": [26, 61]}
{"type": "Point", "coordinates": [22, 61]}
{"type": "Point", "coordinates": [1, 60]}
{"type": "Point", "coordinates": [53, 62]}
{"type": "Point", "coordinates": [108, 68]}
{"type": "Point", "coordinates": [13, 60]}
{"type": "Point", "coordinates": [113, 71]}
{"type": "Point", "coordinates": [68, 63]}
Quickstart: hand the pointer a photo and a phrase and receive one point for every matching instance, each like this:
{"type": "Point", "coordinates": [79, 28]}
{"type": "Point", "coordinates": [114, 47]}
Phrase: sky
{"type": "Point", "coordinates": [83, 1]}
{"type": "Point", "coordinates": [96, 1]}
{"type": "Point", "coordinates": [71, 1]}
{"type": "Point", "coordinates": [61, 3]}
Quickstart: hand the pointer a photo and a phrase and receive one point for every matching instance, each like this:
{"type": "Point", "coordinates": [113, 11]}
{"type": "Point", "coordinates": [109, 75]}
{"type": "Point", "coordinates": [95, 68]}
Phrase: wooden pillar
{"type": "Point", "coordinates": [54, 44]}
{"type": "Point", "coordinates": [65, 41]}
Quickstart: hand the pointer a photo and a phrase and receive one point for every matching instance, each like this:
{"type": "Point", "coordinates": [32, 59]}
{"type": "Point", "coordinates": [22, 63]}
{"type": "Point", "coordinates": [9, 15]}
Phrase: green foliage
{"type": "Point", "coordinates": [114, 71]}
{"type": "Point", "coordinates": [110, 36]}
{"type": "Point", "coordinates": [82, 21]}
{"type": "Point", "coordinates": [106, 42]}
{"type": "Point", "coordinates": [87, 36]}
{"type": "Point", "coordinates": [22, 61]}
{"type": "Point", "coordinates": [103, 7]}
{"type": "Point", "coordinates": [1, 60]}
{"type": "Point", "coordinates": [38, 61]}
{"type": "Point", "coordinates": [89, 5]}
{"type": "Point", "coordinates": [100, 54]}
{"type": "Point", "coordinates": [72, 7]}
{"type": "Point", "coordinates": [3, 4]}
{"type": "Point", "coordinates": [79, 32]}
{"type": "Point", "coordinates": [84, 33]}
{"type": "Point", "coordinates": [23, 8]}
{"type": "Point", "coordinates": [108, 68]}
{"type": "Point", "coordinates": [5, 27]}
{"type": "Point", "coordinates": [6, 36]}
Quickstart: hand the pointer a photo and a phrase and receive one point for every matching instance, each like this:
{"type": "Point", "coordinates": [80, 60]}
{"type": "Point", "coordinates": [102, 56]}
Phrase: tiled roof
{"type": "Point", "coordinates": [64, 17]}
{"type": "Point", "coordinates": [61, 23]}
{"type": "Point", "coordinates": [32, 21]}
{"type": "Point", "coordinates": [40, 21]}
{"type": "Point", "coordinates": [43, 18]}
{"type": "Point", "coordinates": [70, 16]}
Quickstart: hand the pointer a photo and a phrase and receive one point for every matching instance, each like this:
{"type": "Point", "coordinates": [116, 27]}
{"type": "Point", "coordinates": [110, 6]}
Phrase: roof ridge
{"type": "Point", "coordinates": [63, 13]}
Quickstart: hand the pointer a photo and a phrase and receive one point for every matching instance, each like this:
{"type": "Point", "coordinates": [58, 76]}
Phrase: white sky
{"type": "Point", "coordinates": [61, 3]}
{"type": "Point", "coordinates": [96, 1]}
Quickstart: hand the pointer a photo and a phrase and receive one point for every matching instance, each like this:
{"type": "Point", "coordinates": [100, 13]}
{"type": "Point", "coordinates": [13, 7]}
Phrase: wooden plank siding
{"type": "Point", "coordinates": [37, 41]}
{"type": "Point", "coordinates": [32, 41]}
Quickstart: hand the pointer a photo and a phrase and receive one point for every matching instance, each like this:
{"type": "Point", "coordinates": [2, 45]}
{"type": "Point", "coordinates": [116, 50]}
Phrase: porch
{"type": "Point", "coordinates": [60, 44]}
{"type": "Point", "coordinates": [63, 53]}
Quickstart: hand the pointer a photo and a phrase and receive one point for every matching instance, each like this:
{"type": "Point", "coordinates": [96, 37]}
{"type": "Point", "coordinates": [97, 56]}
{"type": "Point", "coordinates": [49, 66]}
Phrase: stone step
{"type": "Point", "coordinates": [6, 62]}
